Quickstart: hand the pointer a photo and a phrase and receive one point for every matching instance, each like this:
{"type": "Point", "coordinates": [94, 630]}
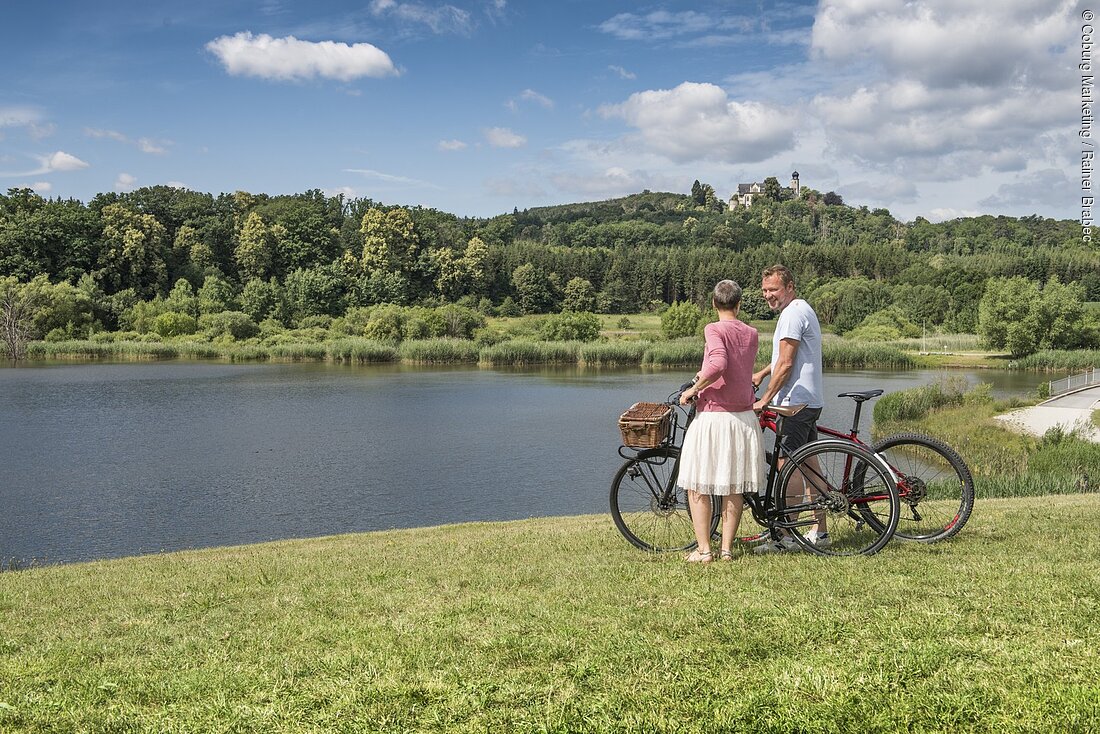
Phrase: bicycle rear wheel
{"type": "Point", "coordinates": [848, 486]}
{"type": "Point", "coordinates": [934, 483]}
{"type": "Point", "coordinates": [647, 506]}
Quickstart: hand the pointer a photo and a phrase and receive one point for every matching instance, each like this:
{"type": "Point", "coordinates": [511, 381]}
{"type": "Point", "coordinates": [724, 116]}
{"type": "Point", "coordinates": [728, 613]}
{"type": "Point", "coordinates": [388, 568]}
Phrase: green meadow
{"type": "Point", "coordinates": [558, 625]}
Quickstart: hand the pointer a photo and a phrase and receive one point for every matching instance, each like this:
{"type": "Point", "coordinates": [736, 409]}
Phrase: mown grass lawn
{"type": "Point", "coordinates": [558, 625]}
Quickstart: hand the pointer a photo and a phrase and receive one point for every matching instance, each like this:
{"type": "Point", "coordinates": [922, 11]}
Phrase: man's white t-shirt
{"type": "Point", "coordinates": [798, 321]}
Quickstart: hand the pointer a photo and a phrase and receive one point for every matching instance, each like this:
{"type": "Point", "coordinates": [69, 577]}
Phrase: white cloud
{"type": "Point", "coordinates": [145, 145]}
{"type": "Point", "coordinates": [946, 43]}
{"type": "Point", "coordinates": [288, 59]}
{"type": "Point", "coordinates": [125, 182]}
{"type": "Point", "coordinates": [502, 137]}
{"type": "Point", "coordinates": [442, 19]}
{"type": "Point", "coordinates": [1049, 187]}
{"type": "Point", "coordinates": [19, 116]}
{"type": "Point", "coordinates": [699, 122]}
{"type": "Point", "coordinates": [451, 145]}
{"type": "Point", "coordinates": [41, 187]}
{"type": "Point", "coordinates": [391, 178]}
{"type": "Point", "coordinates": [61, 161]}
{"type": "Point", "coordinates": [623, 73]}
{"type": "Point", "coordinates": [656, 25]}
{"type": "Point", "coordinates": [530, 95]}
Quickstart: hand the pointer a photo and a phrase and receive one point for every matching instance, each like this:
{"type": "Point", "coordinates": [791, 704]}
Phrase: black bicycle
{"type": "Point", "coordinates": [839, 480]}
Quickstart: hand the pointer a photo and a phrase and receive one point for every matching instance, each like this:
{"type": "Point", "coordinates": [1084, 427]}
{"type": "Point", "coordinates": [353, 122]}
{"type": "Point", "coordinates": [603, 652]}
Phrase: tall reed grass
{"type": "Point", "coordinates": [519, 352]}
{"type": "Point", "coordinates": [613, 354]}
{"type": "Point", "coordinates": [439, 351]}
{"type": "Point", "coordinates": [1051, 360]}
{"type": "Point", "coordinates": [362, 351]}
{"type": "Point", "coordinates": [841, 354]}
{"type": "Point", "coordinates": [679, 353]}
{"type": "Point", "coordinates": [939, 343]}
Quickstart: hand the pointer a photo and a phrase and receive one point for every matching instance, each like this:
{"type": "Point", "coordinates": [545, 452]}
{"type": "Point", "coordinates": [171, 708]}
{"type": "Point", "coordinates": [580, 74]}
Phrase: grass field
{"type": "Point", "coordinates": [557, 625]}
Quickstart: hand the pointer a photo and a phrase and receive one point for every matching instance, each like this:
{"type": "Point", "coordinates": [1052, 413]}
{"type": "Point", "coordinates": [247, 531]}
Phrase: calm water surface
{"type": "Point", "coordinates": [112, 460]}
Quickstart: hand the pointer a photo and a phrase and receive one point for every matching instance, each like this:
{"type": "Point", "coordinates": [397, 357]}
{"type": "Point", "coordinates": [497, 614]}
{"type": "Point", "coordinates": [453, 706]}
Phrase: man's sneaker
{"type": "Point", "coordinates": [786, 544]}
{"type": "Point", "coordinates": [821, 540]}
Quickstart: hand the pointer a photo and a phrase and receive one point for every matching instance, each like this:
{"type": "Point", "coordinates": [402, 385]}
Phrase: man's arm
{"type": "Point", "coordinates": [788, 349]}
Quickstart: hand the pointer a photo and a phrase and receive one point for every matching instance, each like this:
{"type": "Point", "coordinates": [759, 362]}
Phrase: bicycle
{"type": "Point", "coordinates": [846, 481]}
{"type": "Point", "coordinates": [934, 483]}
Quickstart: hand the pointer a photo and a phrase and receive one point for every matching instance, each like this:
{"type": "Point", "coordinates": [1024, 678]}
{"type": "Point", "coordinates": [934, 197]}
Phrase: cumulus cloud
{"type": "Point", "coordinates": [442, 19]}
{"type": "Point", "coordinates": [944, 42]}
{"type": "Point", "coordinates": [502, 137]}
{"type": "Point", "coordinates": [289, 59]}
{"type": "Point", "coordinates": [623, 73]}
{"type": "Point", "coordinates": [125, 182]}
{"type": "Point", "coordinates": [1049, 187]}
{"type": "Point", "coordinates": [948, 89]}
{"type": "Point", "coordinates": [699, 122]}
{"type": "Point", "coordinates": [451, 145]}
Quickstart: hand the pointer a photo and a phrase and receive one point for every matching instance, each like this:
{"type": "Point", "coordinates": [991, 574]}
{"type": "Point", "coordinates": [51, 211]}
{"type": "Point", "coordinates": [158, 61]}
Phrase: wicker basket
{"type": "Point", "coordinates": [645, 425]}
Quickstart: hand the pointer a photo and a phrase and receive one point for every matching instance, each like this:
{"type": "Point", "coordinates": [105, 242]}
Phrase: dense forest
{"type": "Point", "coordinates": [164, 258]}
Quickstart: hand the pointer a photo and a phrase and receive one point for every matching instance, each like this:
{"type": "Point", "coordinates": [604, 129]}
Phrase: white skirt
{"type": "Point", "coordinates": [722, 454]}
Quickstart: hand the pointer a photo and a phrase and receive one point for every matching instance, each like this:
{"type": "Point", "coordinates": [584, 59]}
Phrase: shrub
{"type": "Point", "coordinates": [680, 320]}
{"type": "Point", "coordinates": [570, 326]}
{"type": "Point", "coordinates": [386, 323]}
{"type": "Point", "coordinates": [460, 322]}
{"type": "Point", "coordinates": [174, 323]}
{"type": "Point", "coordinates": [231, 324]}
{"type": "Point", "coordinates": [508, 307]}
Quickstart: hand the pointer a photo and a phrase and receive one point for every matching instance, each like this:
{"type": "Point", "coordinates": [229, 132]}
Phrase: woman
{"type": "Point", "coordinates": [722, 452]}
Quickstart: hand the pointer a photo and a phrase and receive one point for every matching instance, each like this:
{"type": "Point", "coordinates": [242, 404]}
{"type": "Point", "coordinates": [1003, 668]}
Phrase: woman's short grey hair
{"type": "Point", "coordinates": [727, 294]}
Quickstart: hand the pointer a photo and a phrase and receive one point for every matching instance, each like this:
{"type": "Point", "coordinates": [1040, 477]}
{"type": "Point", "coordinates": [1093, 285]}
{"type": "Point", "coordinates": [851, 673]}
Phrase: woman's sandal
{"type": "Point", "coordinates": [726, 555]}
{"type": "Point", "coordinates": [699, 557]}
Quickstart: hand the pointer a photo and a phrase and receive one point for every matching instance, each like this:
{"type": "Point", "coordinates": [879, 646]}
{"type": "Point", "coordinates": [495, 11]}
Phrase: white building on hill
{"type": "Point", "coordinates": [747, 191]}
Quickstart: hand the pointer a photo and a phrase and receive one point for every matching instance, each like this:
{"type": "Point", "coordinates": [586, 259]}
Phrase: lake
{"type": "Point", "coordinates": [110, 460]}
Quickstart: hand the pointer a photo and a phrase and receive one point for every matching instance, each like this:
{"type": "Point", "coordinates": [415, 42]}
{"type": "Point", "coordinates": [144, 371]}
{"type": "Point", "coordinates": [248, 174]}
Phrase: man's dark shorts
{"type": "Point", "coordinates": [799, 429]}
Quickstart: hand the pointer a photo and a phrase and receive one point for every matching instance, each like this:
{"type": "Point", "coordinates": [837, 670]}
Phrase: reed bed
{"type": "Point", "coordinates": [856, 355]}
{"type": "Point", "coordinates": [363, 351]}
{"type": "Point", "coordinates": [680, 353]}
{"type": "Point", "coordinates": [939, 343]}
{"type": "Point", "coordinates": [1052, 360]}
{"type": "Point", "coordinates": [613, 354]}
{"type": "Point", "coordinates": [520, 352]}
{"type": "Point", "coordinates": [439, 351]}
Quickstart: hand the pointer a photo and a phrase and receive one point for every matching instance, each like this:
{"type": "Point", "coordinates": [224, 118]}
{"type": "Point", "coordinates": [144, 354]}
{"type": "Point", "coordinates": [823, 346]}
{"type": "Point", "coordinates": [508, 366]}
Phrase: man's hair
{"type": "Point", "coordinates": [727, 294]}
{"type": "Point", "coordinates": [784, 273]}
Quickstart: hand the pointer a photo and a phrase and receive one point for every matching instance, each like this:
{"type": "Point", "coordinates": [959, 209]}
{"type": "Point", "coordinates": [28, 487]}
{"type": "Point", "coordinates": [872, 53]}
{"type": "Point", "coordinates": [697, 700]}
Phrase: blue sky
{"type": "Point", "coordinates": [933, 108]}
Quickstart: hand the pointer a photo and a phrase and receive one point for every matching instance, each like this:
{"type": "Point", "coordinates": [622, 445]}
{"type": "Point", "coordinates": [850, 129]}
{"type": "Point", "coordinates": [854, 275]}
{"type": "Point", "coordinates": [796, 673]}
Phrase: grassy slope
{"type": "Point", "coordinates": [558, 625]}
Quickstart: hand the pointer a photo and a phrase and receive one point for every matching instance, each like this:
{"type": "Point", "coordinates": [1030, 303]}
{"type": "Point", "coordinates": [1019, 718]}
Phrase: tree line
{"type": "Point", "coordinates": [124, 259]}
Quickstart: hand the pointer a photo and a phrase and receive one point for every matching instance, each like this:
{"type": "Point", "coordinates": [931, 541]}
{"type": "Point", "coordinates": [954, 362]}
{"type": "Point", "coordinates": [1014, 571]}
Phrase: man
{"type": "Point", "coordinates": [795, 371]}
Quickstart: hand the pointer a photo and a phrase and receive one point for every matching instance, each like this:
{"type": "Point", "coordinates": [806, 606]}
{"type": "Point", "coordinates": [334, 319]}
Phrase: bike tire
{"type": "Point", "coordinates": [649, 509]}
{"type": "Point", "coordinates": [934, 483]}
{"type": "Point", "coordinates": [849, 485]}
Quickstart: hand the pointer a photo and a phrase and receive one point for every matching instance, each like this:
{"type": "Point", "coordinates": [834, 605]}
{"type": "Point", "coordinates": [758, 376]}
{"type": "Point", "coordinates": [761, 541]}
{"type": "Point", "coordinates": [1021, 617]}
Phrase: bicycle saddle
{"type": "Point", "coordinates": [859, 397]}
{"type": "Point", "coordinates": [786, 410]}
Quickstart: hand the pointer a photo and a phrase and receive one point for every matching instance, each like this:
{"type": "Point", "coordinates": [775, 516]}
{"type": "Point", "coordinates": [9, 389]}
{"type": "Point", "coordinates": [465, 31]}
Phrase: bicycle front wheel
{"type": "Point", "coordinates": [647, 506]}
{"type": "Point", "coordinates": [839, 489]}
{"type": "Point", "coordinates": [934, 483]}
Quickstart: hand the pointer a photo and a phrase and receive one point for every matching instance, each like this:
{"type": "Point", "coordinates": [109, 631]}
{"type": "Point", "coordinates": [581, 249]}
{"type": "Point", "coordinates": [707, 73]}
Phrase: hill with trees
{"type": "Point", "coordinates": [180, 261]}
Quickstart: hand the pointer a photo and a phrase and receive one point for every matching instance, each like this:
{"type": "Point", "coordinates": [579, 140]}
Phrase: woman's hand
{"type": "Point", "coordinates": [688, 395]}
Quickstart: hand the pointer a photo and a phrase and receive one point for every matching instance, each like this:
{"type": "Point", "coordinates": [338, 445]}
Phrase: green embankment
{"type": "Point", "coordinates": [559, 625]}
